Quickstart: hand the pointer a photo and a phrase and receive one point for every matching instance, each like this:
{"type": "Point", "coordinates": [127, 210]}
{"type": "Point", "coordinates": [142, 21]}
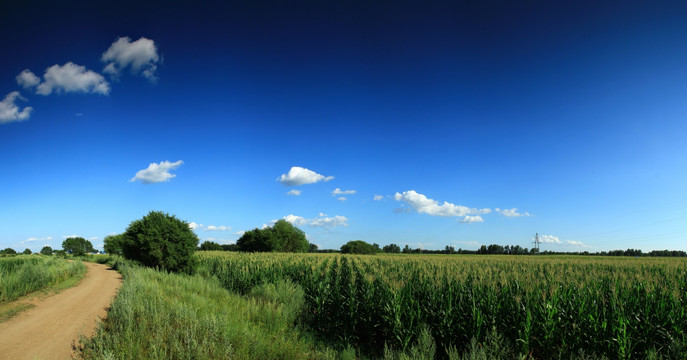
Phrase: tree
{"type": "Point", "coordinates": [27, 252]}
{"type": "Point", "coordinates": [312, 248]}
{"type": "Point", "coordinates": [8, 251]}
{"type": "Point", "coordinates": [285, 237]}
{"type": "Point", "coordinates": [46, 250]}
{"type": "Point", "coordinates": [392, 249]}
{"type": "Point", "coordinates": [358, 247]}
{"type": "Point", "coordinates": [77, 246]}
{"type": "Point", "coordinates": [161, 241]}
{"type": "Point", "coordinates": [406, 249]}
{"type": "Point", "coordinates": [282, 237]}
{"type": "Point", "coordinates": [255, 240]}
{"type": "Point", "coordinates": [210, 246]}
{"type": "Point", "coordinates": [112, 244]}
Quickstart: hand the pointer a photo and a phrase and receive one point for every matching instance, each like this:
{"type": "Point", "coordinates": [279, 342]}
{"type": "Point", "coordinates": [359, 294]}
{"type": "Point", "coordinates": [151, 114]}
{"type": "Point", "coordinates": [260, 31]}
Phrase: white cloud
{"type": "Point", "coordinates": [511, 212]}
{"type": "Point", "coordinates": [10, 112]}
{"type": "Point", "coordinates": [422, 204]}
{"type": "Point", "coordinates": [294, 192]}
{"type": "Point", "coordinates": [93, 238]}
{"type": "Point", "coordinates": [338, 191]}
{"type": "Point", "coordinates": [240, 232]}
{"type": "Point", "coordinates": [156, 173]}
{"type": "Point", "coordinates": [342, 198]}
{"type": "Point", "coordinates": [140, 55]}
{"type": "Point", "coordinates": [300, 176]}
{"type": "Point", "coordinates": [72, 78]}
{"type": "Point", "coordinates": [576, 243]}
{"type": "Point", "coordinates": [217, 228]}
{"type": "Point", "coordinates": [378, 197]}
{"type": "Point", "coordinates": [549, 239]}
{"type": "Point", "coordinates": [469, 219]}
{"type": "Point", "coordinates": [192, 225]}
{"type": "Point", "coordinates": [70, 236]}
{"type": "Point", "coordinates": [322, 221]}
{"type": "Point", "coordinates": [27, 79]}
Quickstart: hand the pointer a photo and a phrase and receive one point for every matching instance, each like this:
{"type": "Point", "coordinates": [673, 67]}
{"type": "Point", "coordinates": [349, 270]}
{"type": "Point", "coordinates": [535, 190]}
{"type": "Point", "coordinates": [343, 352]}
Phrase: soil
{"type": "Point", "coordinates": [51, 329]}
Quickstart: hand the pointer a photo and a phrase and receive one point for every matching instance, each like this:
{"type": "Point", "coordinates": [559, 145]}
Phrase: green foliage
{"type": "Point", "coordinates": [160, 316]}
{"type": "Point", "coordinates": [77, 246]}
{"type": "Point", "coordinates": [27, 252]}
{"type": "Point", "coordinates": [282, 237]}
{"type": "Point", "coordinates": [22, 275]}
{"type": "Point", "coordinates": [161, 241]}
{"type": "Point", "coordinates": [46, 250]}
{"type": "Point", "coordinates": [392, 249]}
{"type": "Point", "coordinates": [112, 244]}
{"type": "Point", "coordinates": [359, 247]}
{"type": "Point", "coordinates": [8, 251]}
{"type": "Point", "coordinates": [210, 246]}
{"type": "Point", "coordinates": [483, 307]}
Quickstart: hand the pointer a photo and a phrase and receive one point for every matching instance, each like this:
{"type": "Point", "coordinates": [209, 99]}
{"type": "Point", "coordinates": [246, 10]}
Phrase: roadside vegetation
{"type": "Point", "coordinates": [26, 274]}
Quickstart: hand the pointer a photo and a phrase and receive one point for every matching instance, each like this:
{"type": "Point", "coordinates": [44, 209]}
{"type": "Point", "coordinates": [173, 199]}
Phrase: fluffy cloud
{"type": "Point", "coordinates": [378, 197]}
{"type": "Point", "coordinates": [34, 239]}
{"type": "Point", "coordinates": [192, 225]}
{"type": "Point", "coordinates": [217, 228]}
{"type": "Point", "coordinates": [140, 56]}
{"type": "Point", "coordinates": [27, 79]}
{"type": "Point", "coordinates": [342, 198]}
{"type": "Point", "coordinates": [67, 78]}
{"type": "Point", "coordinates": [294, 192]}
{"type": "Point", "coordinates": [338, 191]}
{"type": "Point", "coordinates": [511, 212]}
{"type": "Point", "coordinates": [70, 236]}
{"type": "Point", "coordinates": [549, 239]}
{"type": "Point", "coordinates": [10, 112]}
{"type": "Point", "coordinates": [322, 221]}
{"type": "Point", "coordinates": [300, 176]}
{"type": "Point", "coordinates": [156, 173]}
{"type": "Point", "coordinates": [469, 219]}
{"type": "Point", "coordinates": [422, 204]}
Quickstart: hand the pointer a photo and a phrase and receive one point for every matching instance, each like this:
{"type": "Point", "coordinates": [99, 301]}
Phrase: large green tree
{"type": "Point", "coordinates": [161, 241]}
{"type": "Point", "coordinates": [77, 246]}
{"type": "Point", "coordinates": [282, 237]}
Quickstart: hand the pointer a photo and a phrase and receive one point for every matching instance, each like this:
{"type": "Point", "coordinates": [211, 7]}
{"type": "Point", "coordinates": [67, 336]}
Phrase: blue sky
{"type": "Point", "coordinates": [419, 123]}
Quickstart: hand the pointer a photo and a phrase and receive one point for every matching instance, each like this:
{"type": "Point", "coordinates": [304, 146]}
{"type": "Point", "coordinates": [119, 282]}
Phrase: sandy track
{"type": "Point", "coordinates": [49, 330]}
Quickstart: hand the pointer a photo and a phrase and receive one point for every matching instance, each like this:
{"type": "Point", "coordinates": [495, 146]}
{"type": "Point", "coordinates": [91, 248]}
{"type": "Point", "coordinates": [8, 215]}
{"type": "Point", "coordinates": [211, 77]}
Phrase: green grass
{"type": "Point", "coordinates": [24, 275]}
{"type": "Point", "coordinates": [159, 315]}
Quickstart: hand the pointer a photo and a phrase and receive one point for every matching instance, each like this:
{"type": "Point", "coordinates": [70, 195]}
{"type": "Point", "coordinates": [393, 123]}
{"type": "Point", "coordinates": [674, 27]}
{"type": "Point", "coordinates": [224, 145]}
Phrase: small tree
{"type": "Point", "coordinates": [112, 244]}
{"type": "Point", "coordinates": [161, 240]}
{"type": "Point", "coordinates": [210, 246]}
{"type": "Point", "coordinates": [8, 251]}
{"type": "Point", "coordinates": [285, 237]}
{"type": "Point", "coordinates": [27, 252]}
{"type": "Point", "coordinates": [255, 240]}
{"type": "Point", "coordinates": [46, 250]}
{"type": "Point", "coordinates": [77, 246]}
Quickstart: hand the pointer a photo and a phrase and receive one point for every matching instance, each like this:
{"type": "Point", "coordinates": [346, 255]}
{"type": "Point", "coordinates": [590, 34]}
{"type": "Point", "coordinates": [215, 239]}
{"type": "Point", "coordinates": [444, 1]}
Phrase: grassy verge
{"type": "Point", "coordinates": [25, 275]}
{"type": "Point", "coordinates": [158, 315]}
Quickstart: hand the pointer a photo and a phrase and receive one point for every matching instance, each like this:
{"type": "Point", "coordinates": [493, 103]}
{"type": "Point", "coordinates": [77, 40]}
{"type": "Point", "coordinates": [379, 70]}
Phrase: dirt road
{"type": "Point", "coordinates": [48, 330]}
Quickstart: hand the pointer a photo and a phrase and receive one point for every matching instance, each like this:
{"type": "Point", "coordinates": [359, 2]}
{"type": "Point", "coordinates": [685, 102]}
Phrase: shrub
{"type": "Point", "coordinates": [358, 247]}
{"type": "Point", "coordinates": [282, 237]}
{"type": "Point", "coordinates": [46, 250]}
{"type": "Point", "coordinates": [112, 244]}
{"type": "Point", "coordinates": [161, 241]}
{"type": "Point", "coordinates": [210, 246]}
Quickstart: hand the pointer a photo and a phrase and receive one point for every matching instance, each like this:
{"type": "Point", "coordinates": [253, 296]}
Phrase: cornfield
{"type": "Point", "coordinates": [543, 307]}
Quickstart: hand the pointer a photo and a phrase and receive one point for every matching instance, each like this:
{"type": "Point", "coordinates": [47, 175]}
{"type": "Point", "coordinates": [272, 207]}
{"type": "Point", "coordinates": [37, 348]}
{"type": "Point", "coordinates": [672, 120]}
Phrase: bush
{"type": "Point", "coordinates": [210, 246]}
{"type": "Point", "coordinates": [112, 244]}
{"type": "Point", "coordinates": [161, 241]}
{"type": "Point", "coordinates": [8, 251]}
{"type": "Point", "coordinates": [46, 250]}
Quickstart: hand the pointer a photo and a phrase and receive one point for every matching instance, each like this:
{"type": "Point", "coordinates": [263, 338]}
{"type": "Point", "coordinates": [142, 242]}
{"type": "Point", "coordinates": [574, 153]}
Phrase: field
{"type": "Point", "coordinates": [21, 275]}
{"type": "Point", "coordinates": [330, 306]}
{"type": "Point", "coordinates": [543, 307]}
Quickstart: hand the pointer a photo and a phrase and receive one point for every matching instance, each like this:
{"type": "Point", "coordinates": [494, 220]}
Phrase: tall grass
{"type": "Point", "coordinates": [22, 275]}
{"type": "Point", "coordinates": [159, 315]}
